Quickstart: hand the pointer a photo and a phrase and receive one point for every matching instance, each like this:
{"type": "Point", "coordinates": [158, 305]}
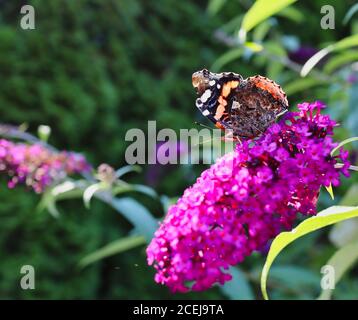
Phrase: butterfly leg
{"type": "Point", "coordinates": [229, 136]}
{"type": "Point", "coordinates": [281, 113]}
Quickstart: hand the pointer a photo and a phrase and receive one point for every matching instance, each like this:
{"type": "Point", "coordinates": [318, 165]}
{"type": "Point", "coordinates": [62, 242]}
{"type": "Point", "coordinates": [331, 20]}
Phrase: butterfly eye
{"type": "Point", "coordinates": [206, 72]}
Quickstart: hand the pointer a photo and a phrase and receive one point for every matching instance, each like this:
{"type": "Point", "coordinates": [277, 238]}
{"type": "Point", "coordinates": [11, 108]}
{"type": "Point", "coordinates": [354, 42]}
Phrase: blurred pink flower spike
{"type": "Point", "coordinates": [36, 166]}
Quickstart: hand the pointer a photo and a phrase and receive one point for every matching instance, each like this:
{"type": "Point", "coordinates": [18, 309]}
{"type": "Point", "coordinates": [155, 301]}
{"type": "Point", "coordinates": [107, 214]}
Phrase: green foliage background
{"type": "Point", "coordinates": [94, 69]}
{"type": "Point", "coordinates": [91, 70]}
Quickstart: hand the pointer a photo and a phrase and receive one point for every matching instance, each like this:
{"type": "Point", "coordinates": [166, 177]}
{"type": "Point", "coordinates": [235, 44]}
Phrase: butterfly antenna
{"type": "Point", "coordinates": [203, 125]}
{"type": "Point", "coordinates": [207, 127]}
{"type": "Point", "coordinates": [203, 142]}
{"type": "Point", "coordinates": [230, 137]}
{"type": "Point", "coordinates": [282, 113]}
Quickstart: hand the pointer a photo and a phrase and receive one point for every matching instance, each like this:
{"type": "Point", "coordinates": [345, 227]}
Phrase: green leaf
{"type": "Point", "coordinates": [262, 30]}
{"type": "Point", "coordinates": [260, 11]}
{"type": "Point", "coordinates": [274, 69]}
{"type": "Point", "coordinates": [330, 191]}
{"type": "Point", "coordinates": [167, 202]}
{"type": "Point", "coordinates": [324, 218]}
{"type": "Point", "coordinates": [346, 231]}
{"type": "Point", "coordinates": [122, 171]}
{"type": "Point", "coordinates": [134, 187]}
{"type": "Point", "coordinates": [214, 6]}
{"type": "Point", "coordinates": [350, 198]}
{"type": "Point", "coordinates": [52, 209]}
{"type": "Point", "coordinates": [69, 190]}
{"type": "Point", "coordinates": [345, 43]}
{"type": "Point", "coordinates": [137, 214]}
{"type": "Point", "coordinates": [90, 192]}
{"type": "Point", "coordinates": [275, 48]}
{"type": "Point", "coordinates": [253, 46]}
{"type": "Point", "coordinates": [302, 84]}
{"type": "Point", "coordinates": [353, 9]}
{"type": "Point", "coordinates": [62, 191]}
{"type": "Point", "coordinates": [292, 13]}
{"type": "Point", "coordinates": [232, 25]}
{"type": "Point", "coordinates": [226, 58]}
{"type": "Point", "coordinates": [239, 287]}
{"type": "Point", "coordinates": [341, 261]}
{"type": "Point", "coordinates": [341, 144]}
{"type": "Point", "coordinates": [293, 277]}
{"type": "Point", "coordinates": [111, 249]}
{"type": "Point", "coordinates": [340, 60]}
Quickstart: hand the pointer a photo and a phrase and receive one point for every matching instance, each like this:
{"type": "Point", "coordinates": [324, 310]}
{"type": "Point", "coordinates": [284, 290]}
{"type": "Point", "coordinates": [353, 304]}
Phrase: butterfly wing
{"type": "Point", "coordinates": [255, 106]}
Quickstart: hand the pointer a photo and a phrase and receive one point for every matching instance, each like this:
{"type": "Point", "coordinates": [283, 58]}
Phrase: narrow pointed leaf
{"type": "Point", "coordinates": [341, 144]}
{"type": "Point", "coordinates": [214, 6]}
{"type": "Point", "coordinates": [89, 193]}
{"type": "Point", "coordinates": [135, 187]}
{"type": "Point", "coordinates": [261, 10]}
{"type": "Point", "coordinates": [137, 214]}
{"type": "Point", "coordinates": [353, 9]}
{"type": "Point", "coordinates": [345, 43]}
{"type": "Point", "coordinates": [330, 191]}
{"type": "Point", "coordinates": [226, 58]}
{"type": "Point", "coordinates": [324, 218]}
{"type": "Point", "coordinates": [111, 249]}
{"type": "Point", "coordinates": [124, 170]}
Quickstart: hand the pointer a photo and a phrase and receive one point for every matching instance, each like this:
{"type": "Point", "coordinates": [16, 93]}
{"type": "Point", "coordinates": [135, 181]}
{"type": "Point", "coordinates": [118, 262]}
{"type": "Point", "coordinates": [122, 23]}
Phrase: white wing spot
{"type": "Point", "coordinates": [206, 95]}
{"type": "Point", "coordinates": [206, 112]}
{"type": "Point", "coordinates": [235, 105]}
{"type": "Point", "coordinates": [212, 82]}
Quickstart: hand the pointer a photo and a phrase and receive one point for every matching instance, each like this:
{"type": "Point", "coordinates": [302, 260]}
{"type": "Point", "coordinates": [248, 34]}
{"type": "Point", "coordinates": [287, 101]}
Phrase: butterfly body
{"type": "Point", "coordinates": [247, 107]}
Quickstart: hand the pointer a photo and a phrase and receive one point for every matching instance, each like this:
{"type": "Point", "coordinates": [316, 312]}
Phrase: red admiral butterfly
{"type": "Point", "coordinates": [246, 107]}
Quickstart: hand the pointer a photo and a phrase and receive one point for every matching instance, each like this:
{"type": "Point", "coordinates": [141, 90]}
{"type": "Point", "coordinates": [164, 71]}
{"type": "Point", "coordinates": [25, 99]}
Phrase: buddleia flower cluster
{"type": "Point", "coordinates": [36, 166]}
{"type": "Point", "coordinates": [245, 199]}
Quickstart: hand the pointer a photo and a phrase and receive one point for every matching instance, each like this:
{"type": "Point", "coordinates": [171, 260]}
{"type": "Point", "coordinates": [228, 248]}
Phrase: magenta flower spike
{"type": "Point", "coordinates": [245, 199]}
